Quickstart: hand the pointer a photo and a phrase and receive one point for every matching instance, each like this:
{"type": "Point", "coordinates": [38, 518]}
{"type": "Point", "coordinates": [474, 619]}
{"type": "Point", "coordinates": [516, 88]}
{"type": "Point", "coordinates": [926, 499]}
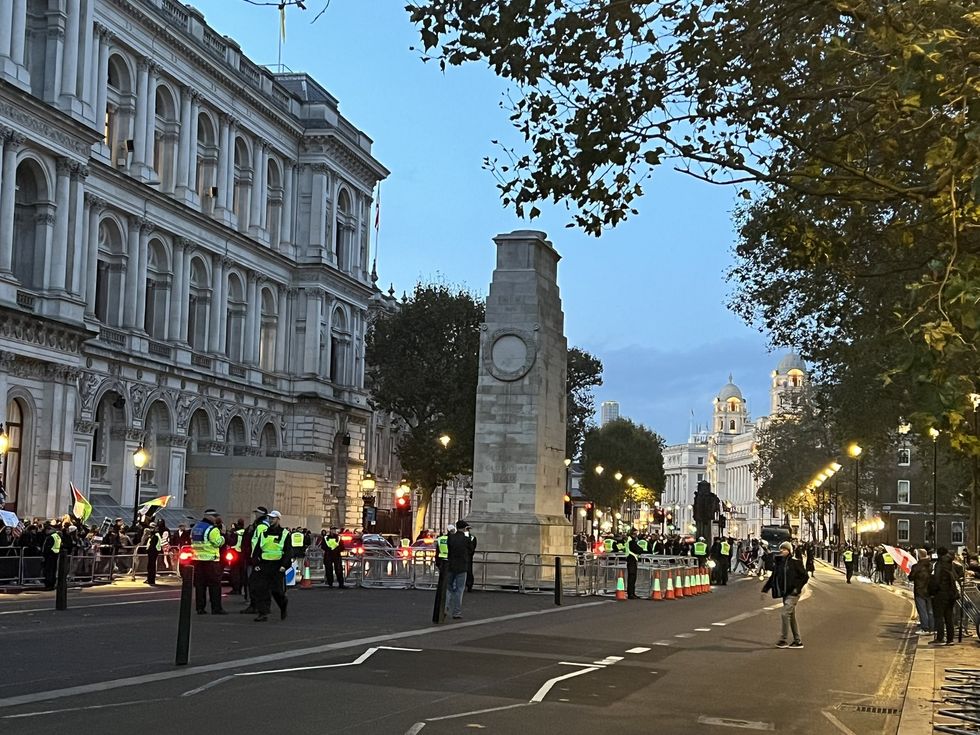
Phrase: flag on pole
{"type": "Point", "coordinates": [377, 213]}
{"type": "Point", "coordinates": [160, 502]}
{"type": "Point", "coordinates": [80, 507]}
{"type": "Point", "coordinates": [282, 21]}
{"type": "Point", "coordinates": [903, 558]}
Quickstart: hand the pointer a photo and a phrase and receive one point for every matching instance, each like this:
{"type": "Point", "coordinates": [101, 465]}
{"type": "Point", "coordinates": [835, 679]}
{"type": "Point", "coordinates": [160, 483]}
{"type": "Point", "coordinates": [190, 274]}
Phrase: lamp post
{"type": "Point", "coordinates": [974, 502]}
{"type": "Point", "coordinates": [568, 476]}
{"type": "Point", "coordinates": [854, 450]}
{"type": "Point", "coordinates": [934, 434]}
{"type": "Point", "coordinates": [140, 458]}
{"type": "Point", "coordinates": [445, 440]}
{"type": "Point", "coordinates": [4, 446]}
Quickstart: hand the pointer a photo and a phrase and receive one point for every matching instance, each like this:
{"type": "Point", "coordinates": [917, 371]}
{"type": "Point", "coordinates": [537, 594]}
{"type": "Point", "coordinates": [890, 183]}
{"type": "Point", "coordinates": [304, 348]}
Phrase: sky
{"type": "Point", "coordinates": [647, 298]}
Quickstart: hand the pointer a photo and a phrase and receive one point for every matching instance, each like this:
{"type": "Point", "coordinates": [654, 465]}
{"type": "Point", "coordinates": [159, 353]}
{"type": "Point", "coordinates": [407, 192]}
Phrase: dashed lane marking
{"type": "Point", "coordinates": [79, 709]}
{"type": "Point", "coordinates": [638, 649]}
{"type": "Point", "coordinates": [479, 711]}
{"type": "Point", "coordinates": [684, 635]}
{"type": "Point", "coordinates": [546, 687]}
{"type": "Point", "coordinates": [608, 660]}
{"type": "Point", "coordinates": [741, 724]}
{"type": "Point", "coordinates": [663, 643]}
{"type": "Point", "coordinates": [719, 625]}
{"type": "Point", "coordinates": [415, 729]}
{"type": "Point", "coordinates": [703, 630]}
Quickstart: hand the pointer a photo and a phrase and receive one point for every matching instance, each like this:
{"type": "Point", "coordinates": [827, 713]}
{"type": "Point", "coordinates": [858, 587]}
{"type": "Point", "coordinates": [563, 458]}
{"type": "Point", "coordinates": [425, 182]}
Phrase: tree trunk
{"type": "Point", "coordinates": [425, 500]}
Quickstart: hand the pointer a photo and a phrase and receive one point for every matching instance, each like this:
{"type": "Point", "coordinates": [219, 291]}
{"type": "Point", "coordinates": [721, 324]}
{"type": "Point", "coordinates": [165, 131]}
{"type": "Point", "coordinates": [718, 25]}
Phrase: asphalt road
{"type": "Point", "coordinates": [370, 661]}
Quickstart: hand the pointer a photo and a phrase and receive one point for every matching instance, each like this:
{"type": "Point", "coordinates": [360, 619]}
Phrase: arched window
{"type": "Point", "coordinates": [158, 280]}
{"type": "Point", "coordinates": [108, 445]}
{"type": "Point", "coordinates": [243, 183]}
{"type": "Point", "coordinates": [339, 348]}
{"type": "Point", "coordinates": [199, 296]}
{"type": "Point", "coordinates": [267, 331]}
{"type": "Point", "coordinates": [235, 437]}
{"type": "Point", "coordinates": [274, 194]}
{"type": "Point", "coordinates": [120, 110]}
{"type": "Point", "coordinates": [343, 231]}
{"type": "Point", "coordinates": [207, 161]}
{"type": "Point", "coordinates": [199, 431]}
{"type": "Point", "coordinates": [33, 223]}
{"type": "Point", "coordinates": [269, 440]}
{"type": "Point", "coordinates": [16, 424]}
{"type": "Point", "coordinates": [235, 325]}
{"type": "Point", "coordinates": [165, 136]}
{"type": "Point", "coordinates": [110, 274]}
{"type": "Point", "coordinates": [156, 479]}
{"type": "Point", "coordinates": [731, 425]}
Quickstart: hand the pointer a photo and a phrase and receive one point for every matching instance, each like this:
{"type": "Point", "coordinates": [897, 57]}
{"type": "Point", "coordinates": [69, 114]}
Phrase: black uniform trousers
{"type": "Point", "coordinates": [268, 584]}
{"type": "Point", "coordinates": [849, 570]}
{"type": "Point", "coordinates": [942, 611]}
{"type": "Point", "coordinates": [50, 570]}
{"type": "Point", "coordinates": [151, 565]}
{"type": "Point", "coordinates": [333, 565]}
{"type": "Point", "coordinates": [631, 576]}
{"type": "Point", "coordinates": [724, 564]}
{"type": "Point", "coordinates": [207, 583]}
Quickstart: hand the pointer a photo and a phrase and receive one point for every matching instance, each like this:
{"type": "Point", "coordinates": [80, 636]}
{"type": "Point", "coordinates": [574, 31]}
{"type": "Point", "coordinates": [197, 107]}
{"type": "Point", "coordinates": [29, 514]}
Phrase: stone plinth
{"type": "Point", "coordinates": [519, 448]}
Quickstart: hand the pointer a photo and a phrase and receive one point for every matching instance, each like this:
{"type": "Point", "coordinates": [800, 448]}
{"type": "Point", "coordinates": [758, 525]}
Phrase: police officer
{"type": "Point", "coordinates": [471, 538]}
{"type": "Point", "coordinates": [154, 545]}
{"type": "Point", "coordinates": [849, 562]}
{"type": "Point", "coordinates": [250, 552]}
{"type": "Point", "coordinates": [701, 551]}
{"type": "Point", "coordinates": [273, 554]}
{"type": "Point", "coordinates": [888, 570]}
{"type": "Point", "coordinates": [724, 559]}
{"type": "Point", "coordinates": [236, 570]}
{"type": "Point", "coordinates": [333, 563]}
{"type": "Point", "coordinates": [297, 541]}
{"type": "Point", "coordinates": [631, 547]}
{"type": "Point", "coordinates": [206, 543]}
{"type": "Point", "coordinates": [51, 551]}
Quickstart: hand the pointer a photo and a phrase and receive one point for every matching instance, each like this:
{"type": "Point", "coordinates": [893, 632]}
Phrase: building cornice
{"type": "Point", "coordinates": [46, 123]}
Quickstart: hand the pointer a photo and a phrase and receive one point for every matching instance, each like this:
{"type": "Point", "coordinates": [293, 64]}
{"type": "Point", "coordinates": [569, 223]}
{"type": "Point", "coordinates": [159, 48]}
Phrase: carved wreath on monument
{"type": "Point", "coordinates": [509, 353]}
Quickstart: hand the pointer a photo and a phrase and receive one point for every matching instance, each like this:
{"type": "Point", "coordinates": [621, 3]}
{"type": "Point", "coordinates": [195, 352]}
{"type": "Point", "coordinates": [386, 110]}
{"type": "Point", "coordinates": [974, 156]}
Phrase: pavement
{"type": "Point", "coordinates": [370, 661]}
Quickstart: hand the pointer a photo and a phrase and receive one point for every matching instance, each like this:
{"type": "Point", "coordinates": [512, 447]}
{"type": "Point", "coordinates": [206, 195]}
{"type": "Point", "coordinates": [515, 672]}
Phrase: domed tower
{"type": "Point", "coordinates": [789, 380]}
{"type": "Point", "coordinates": [730, 410]}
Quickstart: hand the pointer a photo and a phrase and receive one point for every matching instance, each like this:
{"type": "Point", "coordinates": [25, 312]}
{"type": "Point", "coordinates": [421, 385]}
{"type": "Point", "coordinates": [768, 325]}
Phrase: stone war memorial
{"type": "Point", "coordinates": [519, 447]}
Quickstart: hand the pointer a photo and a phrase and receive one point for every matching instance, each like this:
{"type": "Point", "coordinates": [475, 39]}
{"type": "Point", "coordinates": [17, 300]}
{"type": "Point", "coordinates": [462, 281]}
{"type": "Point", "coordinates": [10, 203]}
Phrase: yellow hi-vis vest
{"type": "Point", "coordinates": [700, 548]}
{"type": "Point", "coordinates": [239, 537]}
{"type": "Point", "coordinates": [332, 543]}
{"type": "Point", "coordinates": [644, 545]}
{"type": "Point", "coordinates": [272, 542]}
{"type": "Point", "coordinates": [443, 544]}
{"type": "Point", "coordinates": [888, 559]}
{"type": "Point", "coordinates": [608, 545]}
{"type": "Point", "coordinates": [55, 543]}
{"type": "Point", "coordinates": [627, 550]}
{"type": "Point", "coordinates": [848, 556]}
{"type": "Point", "coordinates": [726, 548]}
{"type": "Point", "coordinates": [296, 539]}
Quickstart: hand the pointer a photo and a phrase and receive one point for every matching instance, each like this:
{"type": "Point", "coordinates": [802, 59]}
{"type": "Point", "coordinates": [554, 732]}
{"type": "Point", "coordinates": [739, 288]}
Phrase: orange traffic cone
{"type": "Point", "coordinates": [670, 587]}
{"type": "Point", "coordinates": [707, 582]}
{"type": "Point", "coordinates": [620, 588]}
{"type": "Point", "coordinates": [656, 593]}
{"type": "Point", "coordinates": [306, 583]}
{"type": "Point", "coordinates": [679, 586]}
{"type": "Point", "coordinates": [698, 587]}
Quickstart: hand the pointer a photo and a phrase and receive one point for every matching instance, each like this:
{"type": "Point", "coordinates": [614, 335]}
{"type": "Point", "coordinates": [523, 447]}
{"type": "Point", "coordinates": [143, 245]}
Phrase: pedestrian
{"type": "Point", "coordinates": [251, 553]}
{"type": "Point", "coordinates": [810, 566]}
{"type": "Point", "coordinates": [787, 581]}
{"type": "Point", "coordinates": [456, 566]}
{"type": "Point", "coordinates": [849, 562]}
{"type": "Point", "coordinates": [632, 549]}
{"type": "Point", "coordinates": [51, 552]}
{"type": "Point", "coordinates": [919, 575]}
{"type": "Point", "coordinates": [236, 568]}
{"type": "Point", "coordinates": [888, 568]}
{"type": "Point", "coordinates": [943, 588]}
{"type": "Point", "coordinates": [154, 545]}
{"type": "Point", "coordinates": [471, 538]}
{"type": "Point", "coordinates": [206, 543]}
{"type": "Point", "coordinates": [298, 542]}
{"type": "Point", "coordinates": [333, 562]}
{"type": "Point", "coordinates": [272, 557]}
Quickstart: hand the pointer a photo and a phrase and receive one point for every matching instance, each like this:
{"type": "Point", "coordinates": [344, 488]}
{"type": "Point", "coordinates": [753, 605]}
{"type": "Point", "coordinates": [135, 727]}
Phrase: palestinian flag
{"type": "Point", "coordinates": [80, 507]}
{"type": "Point", "coordinates": [150, 507]}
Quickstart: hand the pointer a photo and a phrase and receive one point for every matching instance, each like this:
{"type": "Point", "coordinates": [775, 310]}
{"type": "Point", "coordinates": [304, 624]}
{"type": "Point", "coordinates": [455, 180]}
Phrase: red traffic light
{"type": "Point", "coordinates": [402, 502]}
{"type": "Point", "coordinates": [588, 506]}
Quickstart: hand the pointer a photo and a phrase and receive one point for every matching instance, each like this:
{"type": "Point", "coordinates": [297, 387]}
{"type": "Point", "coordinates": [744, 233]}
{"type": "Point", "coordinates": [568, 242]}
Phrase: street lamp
{"type": "Point", "coordinates": [140, 458]}
{"type": "Point", "coordinates": [855, 451]}
{"type": "Point", "coordinates": [974, 510]}
{"type": "Point", "coordinates": [4, 446]}
{"type": "Point", "coordinates": [618, 476]}
{"type": "Point", "coordinates": [599, 469]}
{"type": "Point", "coordinates": [444, 440]}
{"type": "Point", "coordinates": [934, 434]}
{"type": "Point", "coordinates": [568, 476]}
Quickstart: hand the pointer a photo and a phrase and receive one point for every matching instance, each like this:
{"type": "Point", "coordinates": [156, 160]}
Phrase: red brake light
{"type": "Point", "coordinates": [230, 556]}
{"type": "Point", "coordinates": [185, 556]}
{"type": "Point", "coordinates": [360, 550]}
{"type": "Point", "coordinates": [347, 538]}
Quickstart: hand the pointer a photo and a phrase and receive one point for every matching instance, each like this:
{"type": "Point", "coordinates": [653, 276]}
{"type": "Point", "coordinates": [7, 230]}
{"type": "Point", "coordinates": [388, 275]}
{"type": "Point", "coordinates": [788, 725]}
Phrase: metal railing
{"type": "Point", "coordinates": [18, 569]}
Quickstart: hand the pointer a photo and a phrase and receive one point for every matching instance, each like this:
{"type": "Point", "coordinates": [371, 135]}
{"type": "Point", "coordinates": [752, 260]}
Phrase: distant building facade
{"type": "Point", "coordinates": [184, 263]}
{"type": "Point", "coordinates": [608, 411]}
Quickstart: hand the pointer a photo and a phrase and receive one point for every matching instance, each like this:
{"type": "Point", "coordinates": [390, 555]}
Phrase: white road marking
{"type": "Point", "coordinates": [86, 607]}
{"type": "Point", "coordinates": [272, 658]}
{"type": "Point", "coordinates": [575, 663]}
{"type": "Point", "coordinates": [663, 643]}
{"type": "Point", "coordinates": [741, 724]}
{"type": "Point", "coordinates": [205, 687]}
{"type": "Point", "coordinates": [703, 630]}
{"type": "Point", "coordinates": [838, 724]}
{"type": "Point", "coordinates": [484, 711]}
{"type": "Point", "coordinates": [719, 625]}
{"type": "Point", "coordinates": [356, 662]}
{"type": "Point", "coordinates": [773, 607]}
{"type": "Point", "coordinates": [638, 649]}
{"type": "Point", "coordinates": [608, 660]}
{"type": "Point", "coordinates": [741, 616]}
{"type": "Point", "coordinates": [546, 687]}
{"type": "Point", "coordinates": [415, 729]}
{"type": "Point", "coordinates": [684, 635]}
{"type": "Point", "coordinates": [79, 709]}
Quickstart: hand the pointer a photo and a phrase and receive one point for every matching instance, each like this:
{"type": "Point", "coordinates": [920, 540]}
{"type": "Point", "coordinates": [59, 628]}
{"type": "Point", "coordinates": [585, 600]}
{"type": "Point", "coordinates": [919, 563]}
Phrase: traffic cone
{"type": "Point", "coordinates": [679, 586]}
{"type": "Point", "coordinates": [707, 582]}
{"type": "Point", "coordinates": [306, 583]}
{"type": "Point", "coordinates": [704, 580]}
{"type": "Point", "coordinates": [698, 582]}
{"type": "Point", "coordinates": [670, 587]}
{"type": "Point", "coordinates": [688, 592]}
{"type": "Point", "coordinates": [656, 593]}
{"type": "Point", "coordinates": [620, 588]}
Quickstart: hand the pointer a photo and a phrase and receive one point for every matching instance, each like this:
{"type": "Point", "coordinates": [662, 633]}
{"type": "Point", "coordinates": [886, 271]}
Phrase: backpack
{"type": "Point", "coordinates": [934, 573]}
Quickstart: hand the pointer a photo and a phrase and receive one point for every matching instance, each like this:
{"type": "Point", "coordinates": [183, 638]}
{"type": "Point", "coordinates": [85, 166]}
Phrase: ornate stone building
{"type": "Point", "coordinates": [184, 262]}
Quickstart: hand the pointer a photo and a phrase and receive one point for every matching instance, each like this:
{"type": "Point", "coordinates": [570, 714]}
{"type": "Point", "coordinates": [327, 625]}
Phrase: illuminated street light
{"type": "Point", "coordinates": [599, 469]}
{"type": "Point", "coordinates": [630, 481]}
{"type": "Point", "coordinates": [618, 476]}
{"type": "Point", "coordinates": [444, 440]}
{"type": "Point", "coordinates": [568, 462]}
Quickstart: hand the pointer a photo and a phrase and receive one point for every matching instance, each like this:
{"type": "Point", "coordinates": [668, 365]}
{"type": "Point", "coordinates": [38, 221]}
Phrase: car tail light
{"type": "Point", "coordinates": [230, 556]}
{"type": "Point", "coordinates": [346, 538]}
{"type": "Point", "coordinates": [185, 556]}
{"type": "Point", "coordinates": [359, 550]}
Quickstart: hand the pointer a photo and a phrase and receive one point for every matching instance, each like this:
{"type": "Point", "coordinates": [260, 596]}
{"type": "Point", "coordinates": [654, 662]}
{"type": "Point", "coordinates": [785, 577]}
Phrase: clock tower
{"type": "Point", "coordinates": [789, 380]}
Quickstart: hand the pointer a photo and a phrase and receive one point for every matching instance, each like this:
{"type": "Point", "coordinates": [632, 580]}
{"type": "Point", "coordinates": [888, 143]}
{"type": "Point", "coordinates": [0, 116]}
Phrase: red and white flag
{"type": "Point", "coordinates": [903, 558]}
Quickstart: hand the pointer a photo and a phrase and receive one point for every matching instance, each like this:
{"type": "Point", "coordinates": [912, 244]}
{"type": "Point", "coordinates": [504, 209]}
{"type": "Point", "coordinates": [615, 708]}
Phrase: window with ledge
{"type": "Point", "coordinates": [120, 110]}
{"type": "Point", "coordinates": [956, 533]}
{"type": "Point", "coordinates": [165, 137]}
{"type": "Point", "coordinates": [110, 274]}
{"type": "Point", "coordinates": [903, 530]}
{"type": "Point", "coordinates": [344, 230]}
{"type": "Point", "coordinates": [207, 161]}
{"type": "Point", "coordinates": [157, 291]}
{"type": "Point", "coordinates": [267, 331]}
{"type": "Point", "coordinates": [700, 460]}
{"type": "Point", "coordinates": [241, 196]}
{"type": "Point", "coordinates": [33, 218]}
{"type": "Point", "coordinates": [235, 325]}
{"type": "Point", "coordinates": [198, 297]}
{"type": "Point", "coordinates": [904, 457]}
{"type": "Point", "coordinates": [904, 495]}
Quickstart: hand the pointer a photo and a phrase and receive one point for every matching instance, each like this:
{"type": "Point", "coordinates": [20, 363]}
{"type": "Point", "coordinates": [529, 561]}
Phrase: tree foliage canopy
{"type": "Point", "coordinates": [630, 449]}
{"type": "Point", "coordinates": [584, 374]}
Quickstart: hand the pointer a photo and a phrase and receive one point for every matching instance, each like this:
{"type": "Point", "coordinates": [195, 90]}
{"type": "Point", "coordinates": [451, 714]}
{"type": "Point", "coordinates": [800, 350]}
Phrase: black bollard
{"type": "Point", "coordinates": [184, 619]}
{"type": "Point", "coordinates": [558, 585]}
{"type": "Point", "coordinates": [439, 611]}
{"type": "Point", "coordinates": [61, 586]}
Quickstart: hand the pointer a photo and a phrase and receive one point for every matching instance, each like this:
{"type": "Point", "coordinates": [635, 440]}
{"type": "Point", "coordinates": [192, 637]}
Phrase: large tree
{"type": "Point", "coordinates": [584, 374]}
{"type": "Point", "coordinates": [422, 367]}
{"type": "Point", "coordinates": [633, 451]}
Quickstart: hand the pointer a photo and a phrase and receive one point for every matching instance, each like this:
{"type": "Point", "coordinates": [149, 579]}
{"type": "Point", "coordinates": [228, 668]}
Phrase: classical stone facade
{"type": "Point", "coordinates": [184, 262]}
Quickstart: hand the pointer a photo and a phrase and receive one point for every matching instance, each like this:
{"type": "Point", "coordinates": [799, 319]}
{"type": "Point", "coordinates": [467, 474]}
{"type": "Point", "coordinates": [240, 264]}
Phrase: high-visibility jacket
{"type": "Point", "coordinates": [848, 556]}
{"type": "Point", "coordinates": [55, 543]}
{"type": "Point", "coordinates": [406, 543]}
{"type": "Point", "coordinates": [259, 528]}
{"type": "Point", "coordinates": [643, 544]}
{"type": "Point", "coordinates": [206, 541]}
{"type": "Point", "coordinates": [239, 537]}
{"type": "Point", "coordinates": [627, 548]}
{"type": "Point", "coordinates": [700, 548]}
{"type": "Point", "coordinates": [443, 543]}
{"type": "Point", "coordinates": [608, 545]}
{"type": "Point", "coordinates": [272, 543]}
{"type": "Point", "coordinates": [154, 542]}
{"type": "Point", "coordinates": [889, 561]}
{"type": "Point", "coordinates": [332, 543]}
{"type": "Point", "coordinates": [297, 540]}
{"type": "Point", "coordinates": [726, 548]}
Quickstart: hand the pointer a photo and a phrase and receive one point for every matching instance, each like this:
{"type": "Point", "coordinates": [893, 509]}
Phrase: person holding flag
{"type": "Point", "coordinates": [154, 545]}
{"type": "Point", "coordinates": [81, 508]}
{"type": "Point", "coordinates": [152, 506]}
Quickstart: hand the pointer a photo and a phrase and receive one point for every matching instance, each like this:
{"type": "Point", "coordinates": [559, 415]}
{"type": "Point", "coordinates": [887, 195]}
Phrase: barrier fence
{"type": "Point", "coordinates": [18, 569]}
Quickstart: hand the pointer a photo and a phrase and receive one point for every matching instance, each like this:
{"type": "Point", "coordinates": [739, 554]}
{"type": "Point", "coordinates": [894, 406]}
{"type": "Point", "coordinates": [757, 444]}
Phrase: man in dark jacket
{"type": "Point", "coordinates": [471, 538]}
{"type": "Point", "coordinates": [456, 567]}
{"type": "Point", "coordinates": [786, 581]}
{"type": "Point", "coordinates": [946, 576]}
{"type": "Point", "coordinates": [919, 575]}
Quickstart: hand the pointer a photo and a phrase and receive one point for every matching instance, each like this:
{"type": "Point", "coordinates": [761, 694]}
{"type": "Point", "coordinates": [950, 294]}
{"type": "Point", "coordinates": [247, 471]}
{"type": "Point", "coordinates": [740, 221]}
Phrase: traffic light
{"type": "Point", "coordinates": [568, 506]}
{"type": "Point", "coordinates": [589, 512]}
{"type": "Point", "coordinates": [403, 504]}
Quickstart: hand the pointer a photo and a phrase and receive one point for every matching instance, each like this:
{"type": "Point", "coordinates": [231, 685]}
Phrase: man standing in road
{"type": "Point", "coordinates": [471, 538]}
{"type": "Point", "coordinates": [272, 555]}
{"type": "Point", "coordinates": [251, 553]}
{"type": "Point", "coordinates": [51, 551]}
{"type": "Point", "coordinates": [457, 564]}
{"type": "Point", "coordinates": [154, 545]}
{"type": "Point", "coordinates": [333, 563]}
{"type": "Point", "coordinates": [206, 543]}
{"type": "Point", "coordinates": [787, 581]}
{"type": "Point", "coordinates": [633, 551]}
{"type": "Point", "coordinates": [849, 562]}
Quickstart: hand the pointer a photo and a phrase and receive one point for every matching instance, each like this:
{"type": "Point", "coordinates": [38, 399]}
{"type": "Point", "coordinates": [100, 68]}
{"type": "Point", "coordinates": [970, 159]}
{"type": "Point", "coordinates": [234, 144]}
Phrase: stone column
{"type": "Point", "coordinates": [264, 189]}
{"type": "Point", "coordinates": [151, 119]}
{"type": "Point", "coordinates": [100, 81]}
{"type": "Point", "coordinates": [229, 182]}
{"type": "Point", "coordinates": [56, 266]}
{"type": "Point", "coordinates": [217, 303]}
{"type": "Point", "coordinates": [54, 52]}
{"type": "Point", "coordinates": [192, 153]}
{"type": "Point", "coordinates": [311, 348]}
{"type": "Point", "coordinates": [282, 326]}
{"type": "Point", "coordinates": [6, 26]}
{"type": "Point", "coordinates": [286, 213]}
{"type": "Point", "coordinates": [318, 209]}
{"type": "Point", "coordinates": [178, 290]}
{"type": "Point", "coordinates": [77, 250]}
{"type": "Point", "coordinates": [18, 32]}
{"type": "Point", "coordinates": [145, 231]}
{"type": "Point", "coordinates": [8, 190]}
{"type": "Point", "coordinates": [69, 63]}
{"type": "Point", "coordinates": [142, 108]}
{"type": "Point", "coordinates": [132, 270]}
{"type": "Point", "coordinates": [255, 196]}
{"type": "Point", "coordinates": [227, 264]}
{"type": "Point", "coordinates": [253, 309]}
{"type": "Point", "coordinates": [89, 53]}
{"type": "Point", "coordinates": [95, 208]}
{"type": "Point", "coordinates": [221, 176]}
{"type": "Point", "coordinates": [184, 142]}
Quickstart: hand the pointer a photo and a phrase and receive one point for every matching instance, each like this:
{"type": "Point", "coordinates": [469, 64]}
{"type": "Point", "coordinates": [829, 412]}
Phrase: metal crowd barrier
{"type": "Point", "coordinates": [18, 569]}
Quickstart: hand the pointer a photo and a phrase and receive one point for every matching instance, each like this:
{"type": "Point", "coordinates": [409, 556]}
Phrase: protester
{"type": "Point", "coordinates": [786, 582]}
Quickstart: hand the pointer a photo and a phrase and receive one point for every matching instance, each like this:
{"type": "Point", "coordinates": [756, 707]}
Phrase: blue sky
{"type": "Point", "coordinates": [647, 298]}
